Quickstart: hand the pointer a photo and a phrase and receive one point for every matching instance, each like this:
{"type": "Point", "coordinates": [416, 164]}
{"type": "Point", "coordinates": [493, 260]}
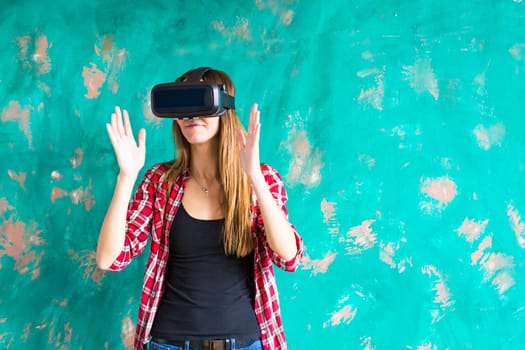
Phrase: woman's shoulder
{"type": "Point", "coordinates": [158, 171]}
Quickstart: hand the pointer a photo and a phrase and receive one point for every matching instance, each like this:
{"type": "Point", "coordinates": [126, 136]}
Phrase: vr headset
{"type": "Point", "coordinates": [192, 98]}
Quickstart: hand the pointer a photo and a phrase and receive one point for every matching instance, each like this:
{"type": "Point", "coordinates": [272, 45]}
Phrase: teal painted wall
{"type": "Point", "coordinates": [397, 126]}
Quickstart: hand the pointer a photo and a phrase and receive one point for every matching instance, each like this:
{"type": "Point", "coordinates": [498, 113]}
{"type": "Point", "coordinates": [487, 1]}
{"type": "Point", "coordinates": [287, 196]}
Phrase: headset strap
{"type": "Point", "coordinates": [197, 74]}
{"type": "Point", "coordinates": [228, 101]}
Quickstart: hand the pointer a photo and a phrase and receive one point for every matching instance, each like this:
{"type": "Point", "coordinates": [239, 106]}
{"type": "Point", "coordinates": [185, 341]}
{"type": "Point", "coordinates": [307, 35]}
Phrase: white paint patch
{"type": "Point", "coordinates": [360, 238]}
{"type": "Point", "coordinates": [373, 96]}
{"type": "Point", "coordinates": [443, 296]}
{"type": "Point", "coordinates": [471, 230]}
{"type": "Point", "coordinates": [489, 137]}
{"type": "Point", "coordinates": [496, 267]}
{"type": "Point", "coordinates": [387, 254]}
{"type": "Point", "coordinates": [421, 77]}
{"type": "Point", "coordinates": [517, 225]}
{"type": "Point", "coordinates": [343, 315]}
{"type": "Point", "coordinates": [330, 216]}
{"type": "Point", "coordinates": [517, 51]}
{"type": "Point", "coordinates": [427, 346]}
{"type": "Point", "coordinates": [441, 190]}
{"type": "Point", "coordinates": [367, 160]}
{"type": "Point", "coordinates": [366, 343]}
{"type": "Point", "coordinates": [306, 163]}
{"type": "Point", "coordinates": [480, 81]}
{"type": "Point", "coordinates": [366, 72]}
{"type": "Point", "coordinates": [318, 265]}
{"type": "Point", "coordinates": [240, 30]}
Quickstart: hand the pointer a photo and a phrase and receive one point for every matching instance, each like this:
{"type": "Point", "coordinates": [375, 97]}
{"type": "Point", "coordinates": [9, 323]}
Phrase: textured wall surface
{"type": "Point", "coordinates": [397, 126]}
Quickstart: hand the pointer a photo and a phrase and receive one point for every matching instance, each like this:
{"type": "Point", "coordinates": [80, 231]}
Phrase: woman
{"type": "Point", "coordinates": [217, 220]}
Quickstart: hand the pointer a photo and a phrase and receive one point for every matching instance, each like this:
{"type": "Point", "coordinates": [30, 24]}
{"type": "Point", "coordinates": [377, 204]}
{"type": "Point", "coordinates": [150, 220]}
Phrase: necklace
{"type": "Point", "coordinates": [203, 189]}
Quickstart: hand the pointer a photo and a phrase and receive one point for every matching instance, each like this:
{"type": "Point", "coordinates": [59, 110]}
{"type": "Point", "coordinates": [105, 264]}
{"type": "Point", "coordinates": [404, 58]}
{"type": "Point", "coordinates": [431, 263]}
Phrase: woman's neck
{"type": "Point", "coordinates": [204, 163]}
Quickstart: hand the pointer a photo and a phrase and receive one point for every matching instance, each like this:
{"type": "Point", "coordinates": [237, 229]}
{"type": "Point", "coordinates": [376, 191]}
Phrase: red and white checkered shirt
{"type": "Point", "coordinates": [145, 218]}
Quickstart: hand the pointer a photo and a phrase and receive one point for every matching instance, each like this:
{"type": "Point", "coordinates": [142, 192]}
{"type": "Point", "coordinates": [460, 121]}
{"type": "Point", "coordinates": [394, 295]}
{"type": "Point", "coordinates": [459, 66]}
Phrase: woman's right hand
{"type": "Point", "coordinates": [130, 156]}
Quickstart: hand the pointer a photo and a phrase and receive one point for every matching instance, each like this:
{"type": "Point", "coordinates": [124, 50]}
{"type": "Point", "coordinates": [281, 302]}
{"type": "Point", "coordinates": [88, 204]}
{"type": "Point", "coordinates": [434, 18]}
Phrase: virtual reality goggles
{"type": "Point", "coordinates": [192, 98]}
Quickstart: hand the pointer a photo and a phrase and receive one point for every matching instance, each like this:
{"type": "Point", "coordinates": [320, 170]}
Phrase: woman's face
{"type": "Point", "coordinates": [199, 130]}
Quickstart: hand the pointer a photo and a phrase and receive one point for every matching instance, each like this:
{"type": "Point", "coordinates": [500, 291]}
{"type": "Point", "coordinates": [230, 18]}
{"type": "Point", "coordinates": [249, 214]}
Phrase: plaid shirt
{"type": "Point", "coordinates": [144, 218]}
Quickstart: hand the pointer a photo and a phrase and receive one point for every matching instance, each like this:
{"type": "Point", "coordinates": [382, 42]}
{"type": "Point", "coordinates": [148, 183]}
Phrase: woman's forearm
{"type": "Point", "coordinates": [113, 230]}
{"type": "Point", "coordinates": [279, 232]}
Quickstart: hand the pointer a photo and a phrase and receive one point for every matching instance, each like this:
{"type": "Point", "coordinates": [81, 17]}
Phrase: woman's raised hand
{"type": "Point", "coordinates": [130, 156]}
{"type": "Point", "coordinates": [249, 144]}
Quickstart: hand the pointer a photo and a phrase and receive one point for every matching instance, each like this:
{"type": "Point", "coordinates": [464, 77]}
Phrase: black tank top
{"type": "Point", "coordinates": [206, 293]}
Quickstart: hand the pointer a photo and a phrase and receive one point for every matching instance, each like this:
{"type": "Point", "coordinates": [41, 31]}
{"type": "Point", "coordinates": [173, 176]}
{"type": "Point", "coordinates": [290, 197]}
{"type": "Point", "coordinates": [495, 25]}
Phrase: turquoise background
{"type": "Point", "coordinates": [397, 127]}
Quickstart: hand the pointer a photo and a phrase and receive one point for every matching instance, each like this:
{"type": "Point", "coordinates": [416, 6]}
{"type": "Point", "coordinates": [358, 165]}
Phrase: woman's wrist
{"type": "Point", "coordinates": [257, 179]}
{"type": "Point", "coordinates": [126, 179]}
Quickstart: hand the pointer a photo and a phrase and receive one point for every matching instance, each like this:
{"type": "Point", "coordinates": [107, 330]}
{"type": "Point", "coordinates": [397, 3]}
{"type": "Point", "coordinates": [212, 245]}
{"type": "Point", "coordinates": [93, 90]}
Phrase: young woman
{"type": "Point", "coordinates": [217, 220]}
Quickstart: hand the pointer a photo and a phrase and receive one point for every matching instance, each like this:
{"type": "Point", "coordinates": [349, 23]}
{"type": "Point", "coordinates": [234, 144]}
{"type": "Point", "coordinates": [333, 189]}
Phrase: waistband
{"type": "Point", "coordinates": [209, 344]}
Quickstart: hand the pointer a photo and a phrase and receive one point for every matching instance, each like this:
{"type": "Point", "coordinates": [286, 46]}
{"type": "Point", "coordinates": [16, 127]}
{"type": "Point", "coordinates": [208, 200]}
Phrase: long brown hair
{"type": "Point", "coordinates": [237, 238]}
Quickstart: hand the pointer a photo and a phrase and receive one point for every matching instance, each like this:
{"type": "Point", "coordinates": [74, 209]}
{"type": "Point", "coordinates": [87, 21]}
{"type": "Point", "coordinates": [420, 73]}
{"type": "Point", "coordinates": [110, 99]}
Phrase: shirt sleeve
{"type": "Point", "coordinates": [138, 222]}
{"type": "Point", "coordinates": [276, 186]}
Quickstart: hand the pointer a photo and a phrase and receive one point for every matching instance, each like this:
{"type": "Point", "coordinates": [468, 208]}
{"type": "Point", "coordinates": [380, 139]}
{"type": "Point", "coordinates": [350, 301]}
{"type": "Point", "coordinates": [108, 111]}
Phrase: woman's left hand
{"type": "Point", "coordinates": [249, 144]}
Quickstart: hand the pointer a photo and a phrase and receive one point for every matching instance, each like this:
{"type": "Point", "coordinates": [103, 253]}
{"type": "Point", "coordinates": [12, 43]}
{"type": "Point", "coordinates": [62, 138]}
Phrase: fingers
{"type": "Point", "coordinates": [255, 115]}
{"type": "Point", "coordinates": [127, 124]}
{"type": "Point", "coordinates": [253, 109]}
{"type": "Point", "coordinates": [255, 134]}
{"type": "Point", "coordinates": [114, 128]}
{"type": "Point", "coordinates": [254, 127]}
{"type": "Point", "coordinates": [142, 139]}
{"type": "Point", "coordinates": [241, 138]}
{"type": "Point", "coordinates": [120, 124]}
{"type": "Point", "coordinates": [111, 134]}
